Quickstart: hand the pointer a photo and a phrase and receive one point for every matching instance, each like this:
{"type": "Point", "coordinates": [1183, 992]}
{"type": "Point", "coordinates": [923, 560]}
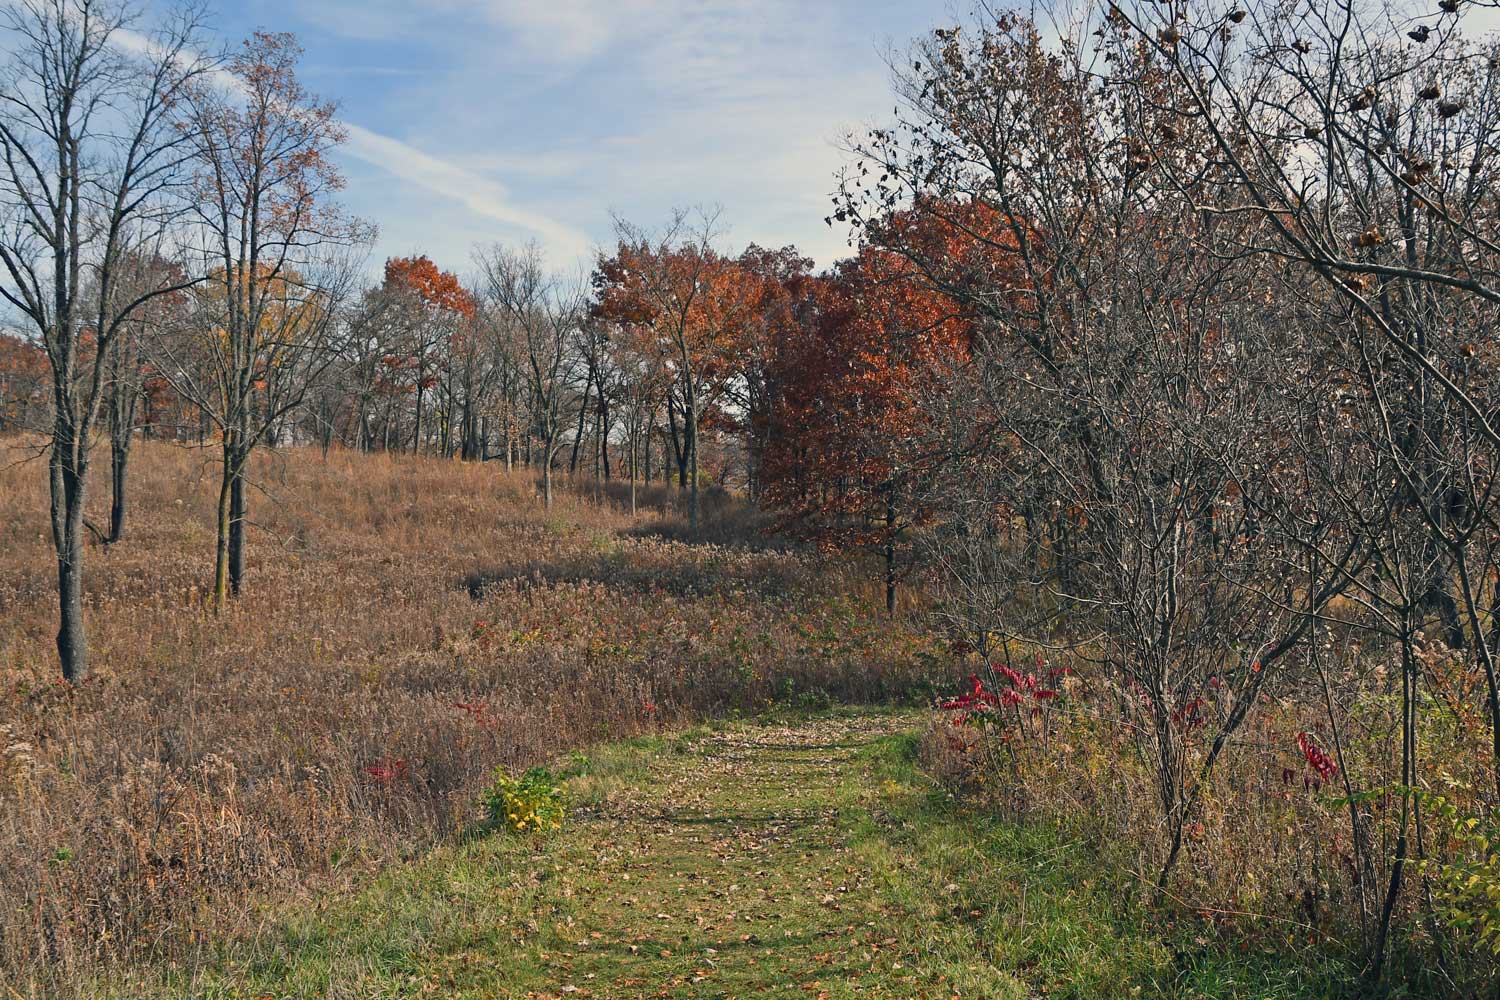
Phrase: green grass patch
{"type": "Point", "coordinates": [775, 858]}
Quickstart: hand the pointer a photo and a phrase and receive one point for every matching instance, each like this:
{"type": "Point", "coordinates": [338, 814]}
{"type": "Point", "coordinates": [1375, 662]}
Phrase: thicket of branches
{"type": "Point", "coordinates": [1229, 275]}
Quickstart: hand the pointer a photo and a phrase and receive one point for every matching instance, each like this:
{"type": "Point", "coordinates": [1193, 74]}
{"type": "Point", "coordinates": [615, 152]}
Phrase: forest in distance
{"type": "Point", "coordinates": [1102, 558]}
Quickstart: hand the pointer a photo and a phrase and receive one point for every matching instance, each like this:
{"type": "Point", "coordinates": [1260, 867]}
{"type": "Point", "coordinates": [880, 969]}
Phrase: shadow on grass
{"type": "Point", "coordinates": [712, 575]}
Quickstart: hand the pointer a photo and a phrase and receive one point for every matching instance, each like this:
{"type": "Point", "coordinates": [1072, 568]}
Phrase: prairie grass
{"type": "Point", "coordinates": [408, 624]}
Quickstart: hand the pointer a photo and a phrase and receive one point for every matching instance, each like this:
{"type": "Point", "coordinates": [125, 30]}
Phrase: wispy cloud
{"type": "Point", "coordinates": [519, 119]}
{"type": "Point", "coordinates": [739, 102]}
{"type": "Point", "coordinates": [480, 195]}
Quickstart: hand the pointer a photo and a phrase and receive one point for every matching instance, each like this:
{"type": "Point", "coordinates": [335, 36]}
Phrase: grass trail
{"type": "Point", "coordinates": [730, 872]}
{"type": "Point", "coordinates": [720, 863]}
{"type": "Point", "coordinates": [810, 859]}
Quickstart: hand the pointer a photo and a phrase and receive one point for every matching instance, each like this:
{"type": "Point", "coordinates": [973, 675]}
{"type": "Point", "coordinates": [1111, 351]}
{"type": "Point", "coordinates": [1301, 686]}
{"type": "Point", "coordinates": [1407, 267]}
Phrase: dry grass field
{"type": "Point", "coordinates": [408, 624]}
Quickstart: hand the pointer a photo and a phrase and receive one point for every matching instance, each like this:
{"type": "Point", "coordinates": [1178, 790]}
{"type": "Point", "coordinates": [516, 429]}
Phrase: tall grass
{"type": "Point", "coordinates": [409, 623]}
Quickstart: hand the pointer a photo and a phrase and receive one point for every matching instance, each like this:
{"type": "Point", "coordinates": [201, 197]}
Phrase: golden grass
{"type": "Point", "coordinates": [214, 761]}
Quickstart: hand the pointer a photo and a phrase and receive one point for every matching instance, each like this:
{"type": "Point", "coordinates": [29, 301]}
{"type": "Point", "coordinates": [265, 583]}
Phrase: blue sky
{"type": "Point", "coordinates": [481, 120]}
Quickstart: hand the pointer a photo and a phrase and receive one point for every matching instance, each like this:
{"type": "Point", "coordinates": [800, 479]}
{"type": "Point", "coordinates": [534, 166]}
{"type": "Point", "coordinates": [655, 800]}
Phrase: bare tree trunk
{"type": "Point", "coordinates": [237, 529]}
{"type": "Point", "coordinates": [1486, 656]}
{"type": "Point", "coordinates": [124, 394]}
{"type": "Point", "coordinates": [362, 422]}
{"type": "Point", "coordinates": [679, 448]}
{"type": "Point", "coordinates": [416, 437]}
{"type": "Point", "coordinates": [890, 557]}
{"type": "Point", "coordinates": [690, 435]}
{"type": "Point", "coordinates": [67, 481]}
{"type": "Point", "coordinates": [578, 436]}
{"type": "Point", "coordinates": [1410, 674]}
{"type": "Point", "coordinates": [604, 432]}
{"type": "Point", "coordinates": [119, 460]}
{"type": "Point", "coordinates": [221, 550]}
{"type": "Point", "coordinates": [633, 443]}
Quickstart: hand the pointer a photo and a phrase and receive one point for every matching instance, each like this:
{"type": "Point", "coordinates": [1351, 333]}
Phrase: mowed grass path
{"type": "Point", "coordinates": [808, 859]}
{"type": "Point", "coordinates": [721, 863]}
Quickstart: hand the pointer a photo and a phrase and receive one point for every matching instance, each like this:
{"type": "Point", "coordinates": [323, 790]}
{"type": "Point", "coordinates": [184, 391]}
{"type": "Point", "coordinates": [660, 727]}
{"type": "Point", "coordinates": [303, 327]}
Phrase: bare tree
{"type": "Point", "coordinates": [1115, 354]}
{"type": "Point", "coordinates": [546, 313]}
{"type": "Point", "coordinates": [1363, 136]}
{"type": "Point", "coordinates": [279, 258]}
{"type": "Point", "coordinates": [127, 365]}
{"type": "Point", "coordinates": [91, 170]}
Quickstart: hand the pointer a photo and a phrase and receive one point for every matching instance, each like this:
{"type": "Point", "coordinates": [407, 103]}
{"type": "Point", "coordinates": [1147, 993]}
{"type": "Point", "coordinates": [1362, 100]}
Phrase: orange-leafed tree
{"type": "Point", "coordinates": [434, 309]}
{"type": "Point", "coordinates": [857, 416]}
{"type": "Point", "coordinates": [675, 289]}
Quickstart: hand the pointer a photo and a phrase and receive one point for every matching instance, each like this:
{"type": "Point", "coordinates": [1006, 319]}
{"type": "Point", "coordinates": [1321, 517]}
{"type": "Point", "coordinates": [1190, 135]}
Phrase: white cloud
{"type": "Point", "coordinates": [739, 102]}
{"type": "Point", "coordinates": [480, 195]}
{"type": "Point", "coordinates": [561, 30]}
{"type": "Point", "coordinates": [538, 118]}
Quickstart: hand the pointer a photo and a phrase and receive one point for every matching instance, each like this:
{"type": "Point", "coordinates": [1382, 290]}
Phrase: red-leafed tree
{"type": "Point", "coordinates": [23, 383]}
{"type": "Point", "coordinates": [858, 416]}
{"type": "Point", "coordinates": [775, 287]}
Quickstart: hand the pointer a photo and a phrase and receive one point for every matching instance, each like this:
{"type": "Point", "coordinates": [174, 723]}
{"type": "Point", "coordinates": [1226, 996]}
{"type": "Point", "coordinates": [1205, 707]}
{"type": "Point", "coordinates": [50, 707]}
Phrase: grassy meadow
{"type": "Point", "coordinates": [408, 624]}
{"type": "Point", "coordinates": [285, 799]}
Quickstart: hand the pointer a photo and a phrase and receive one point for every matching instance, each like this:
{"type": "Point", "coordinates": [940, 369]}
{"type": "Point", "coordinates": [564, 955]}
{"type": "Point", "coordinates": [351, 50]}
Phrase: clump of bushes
{"type": "Point", "coordinates": [1290, 843]}
{"type": "Point", "coordinates": [533, 803]}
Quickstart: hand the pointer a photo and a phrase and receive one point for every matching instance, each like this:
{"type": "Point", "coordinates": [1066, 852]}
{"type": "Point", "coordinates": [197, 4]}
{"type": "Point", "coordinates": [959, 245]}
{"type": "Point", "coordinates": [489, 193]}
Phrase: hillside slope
{"type": "Point", "coordinates": [407, 617]}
